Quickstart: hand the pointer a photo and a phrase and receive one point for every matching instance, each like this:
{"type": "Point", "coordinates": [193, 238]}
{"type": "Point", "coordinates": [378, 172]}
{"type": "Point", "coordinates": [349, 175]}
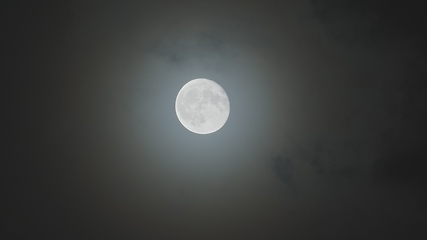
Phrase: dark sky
{"type": "Point", "coordinates": [325, 138]}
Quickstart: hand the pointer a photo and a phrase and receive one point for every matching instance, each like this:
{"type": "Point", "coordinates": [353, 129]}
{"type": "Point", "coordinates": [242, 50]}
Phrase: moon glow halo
{"type": "Point", "coordinates": [202, 106]}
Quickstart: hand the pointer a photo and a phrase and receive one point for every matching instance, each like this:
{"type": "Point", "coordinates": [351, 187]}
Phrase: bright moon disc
{"type": "Point", "coordinates": [202, 106]}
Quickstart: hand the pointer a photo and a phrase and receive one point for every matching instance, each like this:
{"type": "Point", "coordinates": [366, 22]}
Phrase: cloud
{"type": "Point", "coordinates": [283, 167]}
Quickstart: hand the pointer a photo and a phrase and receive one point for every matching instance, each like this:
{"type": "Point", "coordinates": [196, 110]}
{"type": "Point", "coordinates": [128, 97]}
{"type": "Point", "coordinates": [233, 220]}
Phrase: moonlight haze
{"type": "Point", "coordinates": [322, 129]}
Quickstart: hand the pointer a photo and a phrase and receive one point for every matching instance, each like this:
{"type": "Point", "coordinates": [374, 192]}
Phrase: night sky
{"type": "Point", "coordinates": [325, 138]}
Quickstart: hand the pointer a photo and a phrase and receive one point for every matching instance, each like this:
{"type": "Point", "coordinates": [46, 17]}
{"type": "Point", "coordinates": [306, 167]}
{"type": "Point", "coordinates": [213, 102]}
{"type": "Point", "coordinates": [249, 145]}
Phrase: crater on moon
{"type": "Point", "coordinates": [202, 106]}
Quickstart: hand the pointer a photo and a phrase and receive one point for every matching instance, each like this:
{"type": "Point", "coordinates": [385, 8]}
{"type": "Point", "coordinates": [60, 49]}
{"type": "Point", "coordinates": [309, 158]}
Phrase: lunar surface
{"type": "Point", "coordinates": [202, 106]}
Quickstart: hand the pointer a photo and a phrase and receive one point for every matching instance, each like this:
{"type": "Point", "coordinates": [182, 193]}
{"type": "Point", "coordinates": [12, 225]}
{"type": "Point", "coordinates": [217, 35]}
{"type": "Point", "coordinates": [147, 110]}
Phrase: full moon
{"type": "Point", "coordinates": [202, 106]}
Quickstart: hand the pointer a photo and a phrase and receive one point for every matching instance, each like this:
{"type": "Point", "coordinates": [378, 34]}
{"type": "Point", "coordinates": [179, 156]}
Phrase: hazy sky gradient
{"type": "Point", "coordinates": [324, 138]}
